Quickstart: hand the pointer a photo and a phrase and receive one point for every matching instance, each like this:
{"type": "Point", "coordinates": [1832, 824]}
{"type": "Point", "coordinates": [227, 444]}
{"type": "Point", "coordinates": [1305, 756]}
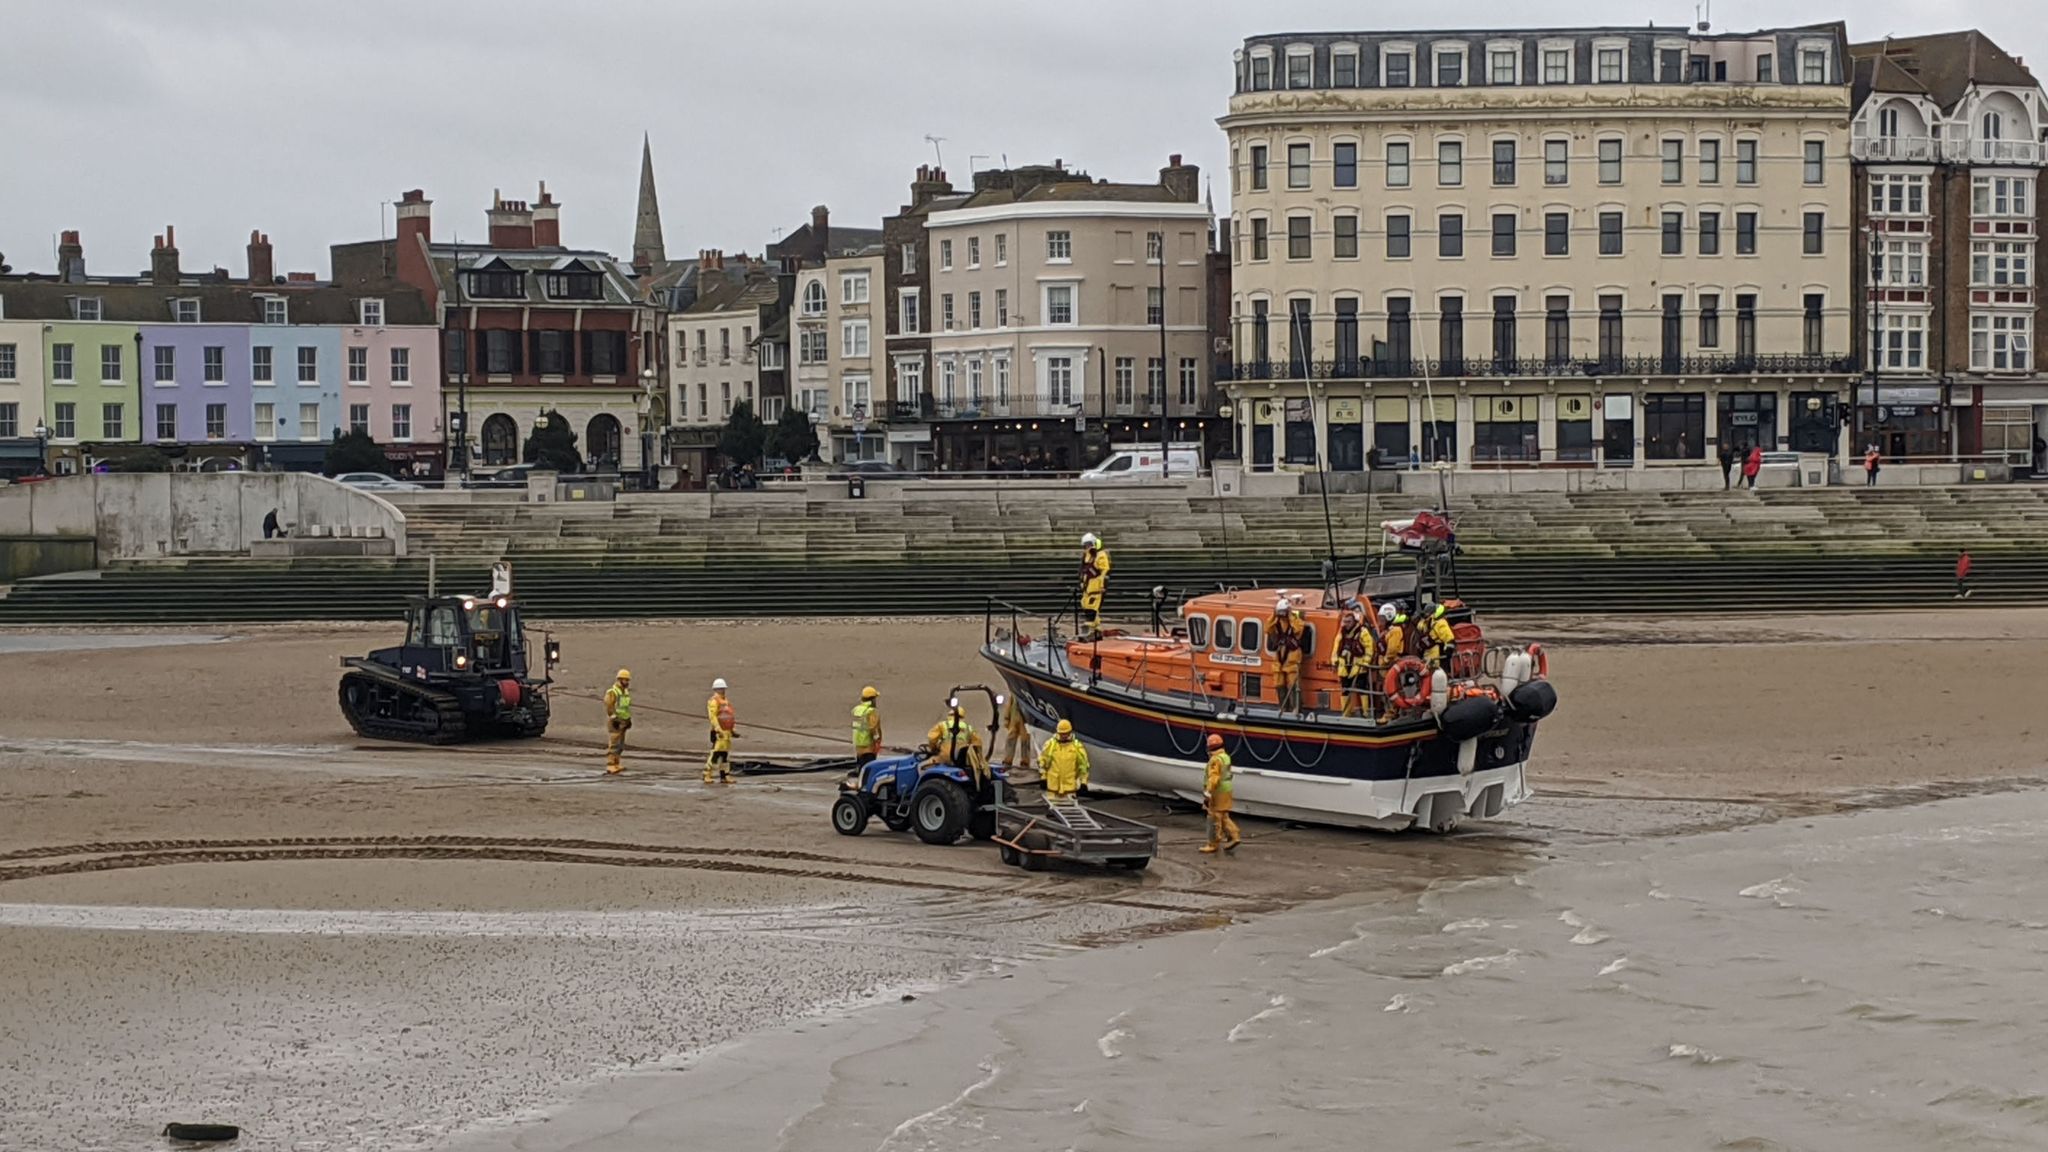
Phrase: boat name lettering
{"type": "Point", "coordinates": [1237, 661]}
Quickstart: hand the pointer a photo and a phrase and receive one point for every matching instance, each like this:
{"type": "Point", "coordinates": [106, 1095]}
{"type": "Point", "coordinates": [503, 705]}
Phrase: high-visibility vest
{"type": "Point", "coordinates": [864, 725]}
{"type": "Point", "coordinates": [618, 703]}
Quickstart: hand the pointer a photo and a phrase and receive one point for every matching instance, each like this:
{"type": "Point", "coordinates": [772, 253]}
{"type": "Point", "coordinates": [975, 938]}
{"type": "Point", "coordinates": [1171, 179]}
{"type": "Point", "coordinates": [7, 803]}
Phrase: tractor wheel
{"type": "Point", "coordinates": [1036, 844]}
{"type": "Point", "coordinates": [938, 811]}
{"type": "Point", "coordinates": [982, 825]}
{"type": "Point", "coordinates": [1131, 863]}
{"type": "Point", "coordinates": [1011, 856]}
{"type": "Point", "coordinates": [896, 823]}
{"type": "Point", "coordinates": [849, 815]}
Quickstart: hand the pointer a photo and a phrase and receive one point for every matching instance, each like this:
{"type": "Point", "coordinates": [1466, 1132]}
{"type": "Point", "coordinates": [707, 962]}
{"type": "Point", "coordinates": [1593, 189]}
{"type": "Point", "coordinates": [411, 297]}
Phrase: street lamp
{"type": "Point", "coordinates": [43, 447]}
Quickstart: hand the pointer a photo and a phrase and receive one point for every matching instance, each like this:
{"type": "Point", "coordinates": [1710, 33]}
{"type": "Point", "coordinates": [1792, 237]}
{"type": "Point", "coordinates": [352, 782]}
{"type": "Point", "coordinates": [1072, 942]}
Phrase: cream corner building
{"type": "Point", "coordinates": [1614, 247]}
{"type": "Point", "coordinates": [839, 353]}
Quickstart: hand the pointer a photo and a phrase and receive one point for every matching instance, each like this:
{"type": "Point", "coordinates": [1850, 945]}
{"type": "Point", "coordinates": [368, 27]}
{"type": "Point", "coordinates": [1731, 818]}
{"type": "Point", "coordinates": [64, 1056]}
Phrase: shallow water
{"type": "Point", "coordinates": [1870, 981]}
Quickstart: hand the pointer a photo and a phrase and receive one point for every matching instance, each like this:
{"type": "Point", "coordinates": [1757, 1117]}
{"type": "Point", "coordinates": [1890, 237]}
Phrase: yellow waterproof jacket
{"type": "Point", "coordinates": [618, 703]}
{"type": "Point", "coordinates": [1096, 570]}
{"type": "Point", "coordinates": [1013, 719]}
{"type": "Point", "coordinates": [1359, 656]}
{"type": "Point", "coordinates": [1064, 765]}
{"type": "Point", "coordinates": [718, 710]}
{"type": "Point", "coordinates": [1396, 645]}
{"type": "Point", "coordinates": [1440, 637]}
{"type": "Point", "coordinates": [951, 733]}
{"type": "Point", "coordinates": [1217, 782]}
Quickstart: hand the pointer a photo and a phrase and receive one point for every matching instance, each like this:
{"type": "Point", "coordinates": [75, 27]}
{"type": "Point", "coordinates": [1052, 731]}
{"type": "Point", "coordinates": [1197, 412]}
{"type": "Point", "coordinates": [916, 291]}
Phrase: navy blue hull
{"type": "Point", "coordinates": [1414, 751]}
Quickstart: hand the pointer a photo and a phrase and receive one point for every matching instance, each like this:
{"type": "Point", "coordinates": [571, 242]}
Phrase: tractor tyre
{"type": "Point", "coordinates": [897, 822]}
{"type": "Point", "coordinates": [849, 815]}
{"type": "Point", "coordinates": [982, 825]}
{"type": "Point", "coordinates": [938, 811]}
{"type": "Point", "coordinates": [1131, 863]}
{"type": "Point", "coordinates": [1011, 856]}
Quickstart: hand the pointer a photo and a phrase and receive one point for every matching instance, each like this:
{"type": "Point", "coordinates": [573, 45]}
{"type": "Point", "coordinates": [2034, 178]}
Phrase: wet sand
{"type": "Point", "coordinates": [214, 900]}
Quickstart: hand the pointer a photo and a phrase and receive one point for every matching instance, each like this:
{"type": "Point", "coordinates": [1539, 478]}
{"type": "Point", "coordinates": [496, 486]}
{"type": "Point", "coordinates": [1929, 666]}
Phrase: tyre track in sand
{"type": "Point", "coordinates": [109, 856]}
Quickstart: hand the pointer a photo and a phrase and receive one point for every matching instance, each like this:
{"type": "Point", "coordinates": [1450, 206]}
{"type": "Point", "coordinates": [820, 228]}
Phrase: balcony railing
{"type": "Point", "coordinates": [1775, 364]}
{"type": "Point", "coordinates": [1897, 149]}
{"type": "Point", "coordinates": [2001, 151]}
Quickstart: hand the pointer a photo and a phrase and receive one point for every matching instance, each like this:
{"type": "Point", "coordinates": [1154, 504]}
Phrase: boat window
{"type": "Point", "coordinates": [1198, 632]}
{"type": "Point", "coordinates": [1308, 640]}
{"type": "Point", "coordinates": [1226, 634]}
{"type": "Point", "coordinates": [1248, 640]}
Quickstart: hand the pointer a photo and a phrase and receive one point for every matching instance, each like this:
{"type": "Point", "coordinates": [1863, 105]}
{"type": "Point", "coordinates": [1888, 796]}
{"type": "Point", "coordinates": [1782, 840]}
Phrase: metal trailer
{"type": "Point", "coordinates": [1033, 836]}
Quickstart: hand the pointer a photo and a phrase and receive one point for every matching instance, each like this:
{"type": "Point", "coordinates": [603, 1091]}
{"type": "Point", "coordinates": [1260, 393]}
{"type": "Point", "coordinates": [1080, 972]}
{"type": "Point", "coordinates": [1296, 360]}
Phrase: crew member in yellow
{"type": "Point", "coordinates": [1216, 798]}
{"type": "Point", "coordinates": [1063, 763]}
{"type": "Point", "coordinates": [1438, 641]}
{"type": "Point", "coordinates": [867, 727]}
{"type": "Point", "coordinates": [1094, 582]}
{"type": "Point", "coordinates": [1393, 646]}
{"type": "Point", "coordinates": [1016, 735]}
{"type": "Point", "coordinates": [718, 710]}
{"type": "Point", "coordinates": [618, 716]}
{"type": "Point", "coordinates": [954, 741]}
{"type": "Point", "coordinates": [1354, 662]}
{"type": "Point", "coordinates": [1284, 638]}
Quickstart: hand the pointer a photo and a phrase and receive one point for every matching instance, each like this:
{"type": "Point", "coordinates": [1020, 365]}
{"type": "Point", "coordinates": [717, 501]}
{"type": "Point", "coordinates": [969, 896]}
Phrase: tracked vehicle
{"type": "Point", "coordinates": [464, 673]}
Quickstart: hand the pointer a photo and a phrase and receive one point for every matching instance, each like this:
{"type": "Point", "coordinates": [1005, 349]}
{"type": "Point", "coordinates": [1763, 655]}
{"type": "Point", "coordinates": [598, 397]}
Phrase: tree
{"type": "Point", "coordinates": [143, 459]}
{"type": "Point", "coordinates": [792, 438]}
{"type": "Point", "coordinates": [356, 452]}
{"type": "Point", "coordinates": [553, 444]}
{"type": "Point", "coordinates": [744, 436]}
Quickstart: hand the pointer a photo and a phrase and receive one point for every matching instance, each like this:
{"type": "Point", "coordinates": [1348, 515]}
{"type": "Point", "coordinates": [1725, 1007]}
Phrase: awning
{"type": "Point", "coordinates": [20, 450]}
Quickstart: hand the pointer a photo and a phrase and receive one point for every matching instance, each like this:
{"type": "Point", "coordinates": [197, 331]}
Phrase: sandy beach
{"type": "Point", "coordinates": [215, 901]}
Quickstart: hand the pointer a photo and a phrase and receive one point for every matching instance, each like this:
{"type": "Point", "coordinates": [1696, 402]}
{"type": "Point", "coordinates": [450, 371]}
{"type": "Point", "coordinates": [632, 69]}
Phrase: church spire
{"type": "Point", "coordinates": [648, 256]}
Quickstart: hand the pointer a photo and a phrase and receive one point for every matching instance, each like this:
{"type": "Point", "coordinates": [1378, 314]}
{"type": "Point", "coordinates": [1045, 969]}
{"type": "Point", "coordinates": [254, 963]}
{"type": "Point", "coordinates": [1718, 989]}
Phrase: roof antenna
{"type": "Point", "coordinates": [1703, 15]}
{"type": "Point", "coordinates": [938, 157]}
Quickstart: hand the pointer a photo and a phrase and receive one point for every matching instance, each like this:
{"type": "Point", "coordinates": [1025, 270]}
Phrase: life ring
{"type": "Point", "coordinates": [1414, 674]}
{"type": "Point", "coordinates": [1539, 661]}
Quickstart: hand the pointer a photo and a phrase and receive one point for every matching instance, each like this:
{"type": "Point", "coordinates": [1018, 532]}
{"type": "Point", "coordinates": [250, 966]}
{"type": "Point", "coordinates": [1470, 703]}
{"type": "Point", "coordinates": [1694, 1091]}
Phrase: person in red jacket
{"type": "Point", "coordinates": [1963, 574]}
{"type": "Point", "coordinates": [1751, 465]}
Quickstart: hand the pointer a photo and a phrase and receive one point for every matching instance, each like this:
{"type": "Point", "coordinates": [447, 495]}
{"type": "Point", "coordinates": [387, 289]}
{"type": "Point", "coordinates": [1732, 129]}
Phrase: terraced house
{"type": "Point", "coordinates": [1947, 142]}
{"type": "Point", "coordinates": [1579, 247]}
{"type": "Point", "coordinates": [531, 327]}
{"type": "Point", "coordinates": [263, 371]}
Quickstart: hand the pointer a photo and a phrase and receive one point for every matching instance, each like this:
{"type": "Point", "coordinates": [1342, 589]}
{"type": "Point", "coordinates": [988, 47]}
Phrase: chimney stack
{"type": "Point", "coordinates": [821, 229]}
{"type": "Point", "coordinates": [163, 259]}
{"type": "Point", "coordinates": [511, 223]}
{"type": "Point", "coordinates": [71, 259]}
{"type": "Point", "coordinates": [710, 260]}
{"type": "Point", "coordinates": [415, 232]}
{"type": "Point", "coordinates": [1183, 182]}
{"type": "Point", "coordinates": [930, 184]}
{"type": "Point", "coordinates": [262, 269]}
{"type": "Point", "coordinates": [547, 220]}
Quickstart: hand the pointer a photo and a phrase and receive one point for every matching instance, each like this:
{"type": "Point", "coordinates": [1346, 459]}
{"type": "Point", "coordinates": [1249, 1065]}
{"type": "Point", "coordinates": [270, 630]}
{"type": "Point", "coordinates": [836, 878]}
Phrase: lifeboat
{"type": "Point", "coordinates": [1426, 752]}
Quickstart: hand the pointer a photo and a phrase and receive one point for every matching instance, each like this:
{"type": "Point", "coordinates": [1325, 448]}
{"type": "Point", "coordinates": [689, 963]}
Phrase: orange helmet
{"type": "Point", "coordinates": [1215, 742]}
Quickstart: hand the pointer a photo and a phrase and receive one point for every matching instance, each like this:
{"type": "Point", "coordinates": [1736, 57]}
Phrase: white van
{"type": "Point", "coordinates": [1139, 463]}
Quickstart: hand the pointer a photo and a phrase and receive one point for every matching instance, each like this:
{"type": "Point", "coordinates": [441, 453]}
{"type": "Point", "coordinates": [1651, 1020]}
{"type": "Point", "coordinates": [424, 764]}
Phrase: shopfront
{"type": "Point", "coordinates": [1504, 429]}
{"type": "Point", "coordinates": [1675, 426]}
{"type": "Point", "coordinates": [1815, 422]}
{"type": "Point", "coordinates": [1347, 435]}
{"type": "Point", "coordinates": [1390, 438]}
{"type": "Point", "coordinates": [1903, 420]}
{"type": "Point", "coordinates": [1618, 430]}
{"type": "Point", "coordinates": [1747, 420]}
{"type": "Point", "coordinates": [1575, 429]}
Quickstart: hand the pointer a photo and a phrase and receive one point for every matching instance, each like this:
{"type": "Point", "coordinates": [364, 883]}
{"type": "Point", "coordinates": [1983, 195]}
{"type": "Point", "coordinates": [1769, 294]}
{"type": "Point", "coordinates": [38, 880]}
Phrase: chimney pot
{"type": "Point", "coordinates": [1173, 160]}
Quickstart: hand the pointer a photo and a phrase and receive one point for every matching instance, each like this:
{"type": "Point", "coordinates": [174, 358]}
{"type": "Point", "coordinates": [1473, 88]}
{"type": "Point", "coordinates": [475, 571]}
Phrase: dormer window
{"type": "Point", "coordinates": [1607, 65]}
{"type": "Point", "coordinates": [1397, 66]}
{"type": "Point", "coordinates": [275, 310]}
{"type": "Point", "coordinates": [1262, 72]}
{"type": "Point", "coordinates": [370, 311]}
{"type": "Point", "coordinates": [185, 310]}
{"type": "Point", "coordinates": [1450, 67]}
{"type": "Point", "coordinates": [496, 281]}
{"type": "Point", "coordinates": [85, 307]}
{"type": "Point", "coordinates": [1813, 66]}
{"type": "Point", "coordinates": [1300, 70]}
{"type": "Point", "coordinates": [573, 285]}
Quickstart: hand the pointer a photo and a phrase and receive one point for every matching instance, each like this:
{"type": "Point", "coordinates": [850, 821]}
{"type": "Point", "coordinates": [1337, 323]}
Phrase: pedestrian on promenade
{"type": "Point", "coordinates": [1963, 566]}
{"type": "Point", "coordinates": [1871, 463]}
{"type": "Point", "coordinates": [1751, 465]}
{"type": "Point", "coordinates": [1727, 465]}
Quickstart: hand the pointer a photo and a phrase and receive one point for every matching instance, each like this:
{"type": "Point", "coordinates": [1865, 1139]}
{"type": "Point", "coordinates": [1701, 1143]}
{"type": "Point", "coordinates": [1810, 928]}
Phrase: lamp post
{"type": "Point", "coordinates": [1876, 340]}
{"type": "Point", "coordinates": [656, 414]}
{"type": "Point", "coordinates": [42, 448]}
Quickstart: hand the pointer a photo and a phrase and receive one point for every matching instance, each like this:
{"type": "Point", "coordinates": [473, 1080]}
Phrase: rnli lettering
{"type": "Point", "coordinates": [1236, 661]}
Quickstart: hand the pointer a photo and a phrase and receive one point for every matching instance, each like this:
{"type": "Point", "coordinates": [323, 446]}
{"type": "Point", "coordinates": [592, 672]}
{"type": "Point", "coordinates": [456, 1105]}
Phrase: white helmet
{"type": "Point", "coordinates": [1388, 613]}
{"type": "Point", "coordinates": [1281, 605]}
{"type": "Point", "coordinates": [718, 684]}
{"type": "Point", "coordinates": [1090, 540]}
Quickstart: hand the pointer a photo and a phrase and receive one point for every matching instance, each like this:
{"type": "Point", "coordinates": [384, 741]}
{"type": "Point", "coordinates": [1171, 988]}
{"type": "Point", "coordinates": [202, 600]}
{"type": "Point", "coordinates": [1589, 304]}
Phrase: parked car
{"type": "Point", "coordinates": [513, 476]}
{"type": "Point", "coordinates": [870, 470]}
{"type": "Point", "coordinates": [376, 482]}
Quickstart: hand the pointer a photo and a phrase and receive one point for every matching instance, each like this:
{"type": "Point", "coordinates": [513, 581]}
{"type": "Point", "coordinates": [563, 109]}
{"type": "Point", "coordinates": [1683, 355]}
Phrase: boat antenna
{"type": "Point", "coordinates": [1302, 351]}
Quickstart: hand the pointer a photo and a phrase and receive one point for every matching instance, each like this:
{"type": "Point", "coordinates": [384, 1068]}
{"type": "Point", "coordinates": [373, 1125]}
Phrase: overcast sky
{"type": "Point", "coordinates": [303, 119]}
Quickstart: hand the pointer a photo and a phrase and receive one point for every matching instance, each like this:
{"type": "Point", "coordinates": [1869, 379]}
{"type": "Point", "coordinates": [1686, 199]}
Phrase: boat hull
{"type": "Point", "coordinates": [1286, 768]}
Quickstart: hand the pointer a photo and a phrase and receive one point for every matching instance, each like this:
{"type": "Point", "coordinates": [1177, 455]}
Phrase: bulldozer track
{"type": "Point", "coordinates": [111, 856]}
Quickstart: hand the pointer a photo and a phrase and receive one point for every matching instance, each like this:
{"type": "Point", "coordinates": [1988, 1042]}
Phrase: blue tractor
{"type": "Point", "coordinates": [924, 792]}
